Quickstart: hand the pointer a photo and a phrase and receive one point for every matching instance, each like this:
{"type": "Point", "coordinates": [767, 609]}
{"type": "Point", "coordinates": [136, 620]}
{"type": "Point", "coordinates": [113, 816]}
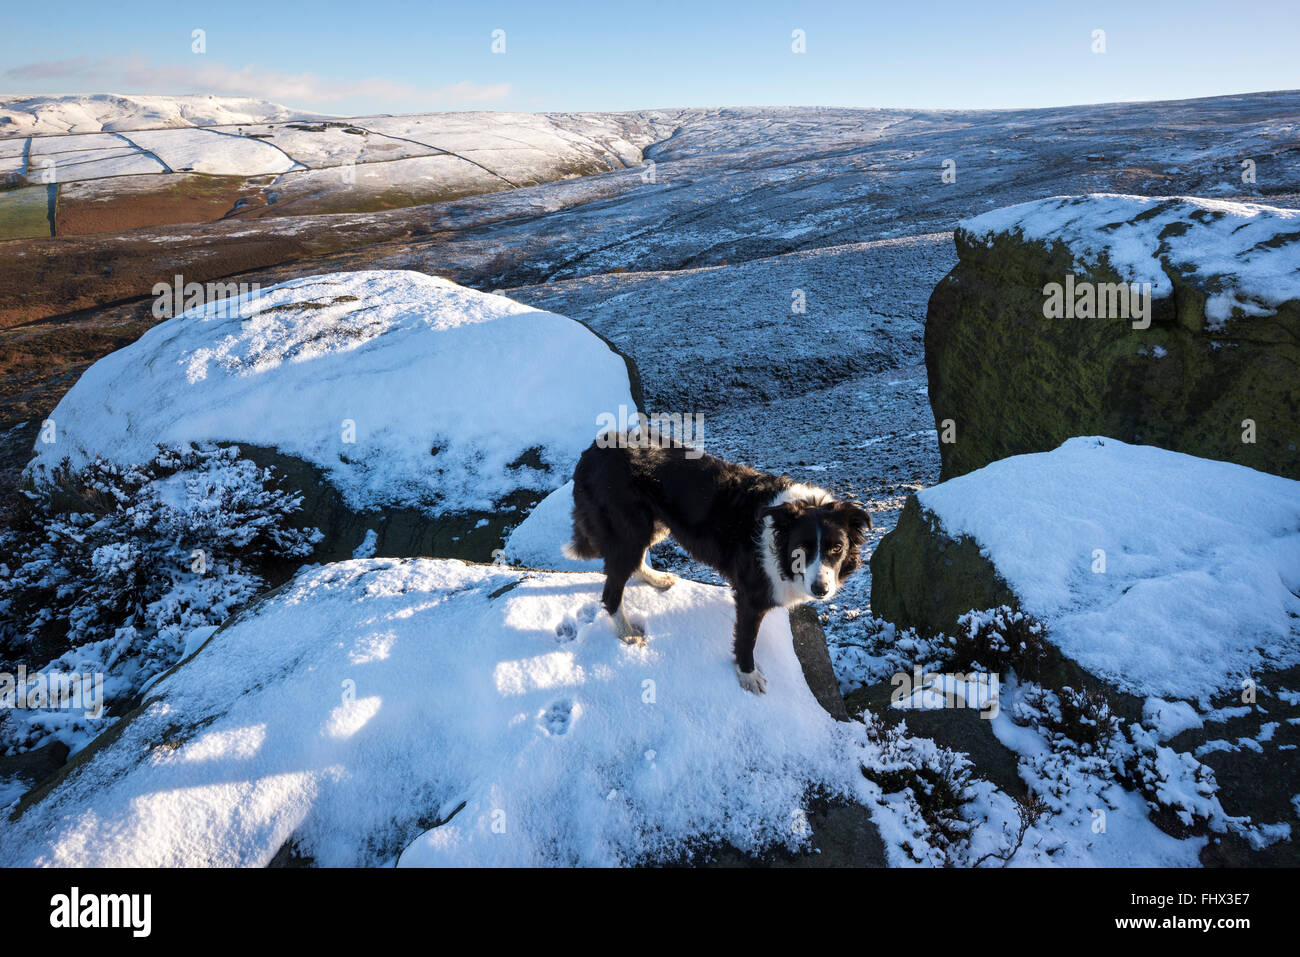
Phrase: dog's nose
{"type": "Point", "coordinates": [819, 589]}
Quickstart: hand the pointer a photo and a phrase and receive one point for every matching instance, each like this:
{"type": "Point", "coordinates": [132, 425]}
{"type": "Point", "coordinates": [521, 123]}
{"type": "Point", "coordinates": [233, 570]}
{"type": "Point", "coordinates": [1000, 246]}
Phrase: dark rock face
{"type": "Point", "coordinates": [399, 532]}
{"type": "Point", "coordinates": [922, 578]}
{"type": "Point", "coordinates": [33, 767]}
{"type": "Point", "coordinates": [1010, 380]}
{"type": "Point", "coordinates": [815, 660]}
{"type": "Point", "coordinates": [1252, 752]}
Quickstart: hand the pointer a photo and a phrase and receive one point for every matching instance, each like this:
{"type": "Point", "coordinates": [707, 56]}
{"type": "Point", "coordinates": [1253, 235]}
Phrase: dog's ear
{"type": "Point", "coordinates": [856, 518]}
{"type": "Point", "coordinates": [783, 514]}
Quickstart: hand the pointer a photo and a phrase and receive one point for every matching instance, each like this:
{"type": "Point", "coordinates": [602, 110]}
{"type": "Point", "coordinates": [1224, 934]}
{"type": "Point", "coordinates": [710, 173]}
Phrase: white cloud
{"type": "Point", "coordinates": [139, 75]}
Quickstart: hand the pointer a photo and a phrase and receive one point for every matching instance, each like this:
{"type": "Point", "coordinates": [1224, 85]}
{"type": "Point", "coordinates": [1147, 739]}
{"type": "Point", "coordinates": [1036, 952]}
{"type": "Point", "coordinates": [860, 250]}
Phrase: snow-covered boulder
{"type": "Point", "coordinates": [434, 712]}
{"type": "Point", "coordinates": [1161, 573]}
{"type": "Point", "coordinates": [1168, 584]}
{"type": "Point", "coordinates": [1036, 336]}
{"type": "Point", "coordinates": [400, 404]}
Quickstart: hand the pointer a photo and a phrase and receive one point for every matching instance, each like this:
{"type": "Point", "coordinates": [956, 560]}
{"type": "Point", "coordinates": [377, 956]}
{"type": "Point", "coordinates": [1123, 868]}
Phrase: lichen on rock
{"type": "Point", "coordinates": [1212, 368]}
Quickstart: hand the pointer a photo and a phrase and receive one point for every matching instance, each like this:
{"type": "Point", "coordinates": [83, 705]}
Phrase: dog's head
{"type": "Point", "coordinates": [815, 547]}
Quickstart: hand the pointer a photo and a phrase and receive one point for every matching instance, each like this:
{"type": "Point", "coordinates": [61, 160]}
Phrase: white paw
{"type": "Point", "coordinates": [754, 681]}
{"type": "Point", "coordinates": [631, 632]}
{"type": "Point", "coordinates": [656, 579]}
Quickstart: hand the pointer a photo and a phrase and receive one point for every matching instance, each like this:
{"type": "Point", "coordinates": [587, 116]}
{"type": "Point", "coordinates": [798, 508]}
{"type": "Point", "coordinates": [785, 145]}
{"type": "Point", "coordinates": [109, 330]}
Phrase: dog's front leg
{"type": "Point", "coordinates": [748, 618]}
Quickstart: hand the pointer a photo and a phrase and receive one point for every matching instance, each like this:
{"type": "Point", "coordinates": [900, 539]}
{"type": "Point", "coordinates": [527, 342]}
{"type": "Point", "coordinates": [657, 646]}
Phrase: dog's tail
{"type": "Point", "coordinates": [581, 548]}
{"type": "Point", "coordinates": [584, 545]}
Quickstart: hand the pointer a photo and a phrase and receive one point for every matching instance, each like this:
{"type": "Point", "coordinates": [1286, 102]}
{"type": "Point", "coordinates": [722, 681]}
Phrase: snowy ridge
{"type": "Point", "coordinates": [89, 138]}
{"type": "Point", "coordinates": [42, 115]}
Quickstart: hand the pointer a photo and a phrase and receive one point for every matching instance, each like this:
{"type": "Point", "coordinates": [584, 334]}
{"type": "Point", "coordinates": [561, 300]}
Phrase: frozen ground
{"type": "Point", "coordinates": [690, 257]}
{"type": "Point", "coordinates": [394, 695]}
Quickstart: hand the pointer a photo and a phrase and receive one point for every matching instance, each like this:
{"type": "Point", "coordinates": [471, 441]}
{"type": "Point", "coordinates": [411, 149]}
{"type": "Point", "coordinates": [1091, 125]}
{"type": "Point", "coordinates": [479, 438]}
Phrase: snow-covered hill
{"type": "Point", "coordinates": [277, 161]}
{"type": "Point", "coordinates": [47, 115]}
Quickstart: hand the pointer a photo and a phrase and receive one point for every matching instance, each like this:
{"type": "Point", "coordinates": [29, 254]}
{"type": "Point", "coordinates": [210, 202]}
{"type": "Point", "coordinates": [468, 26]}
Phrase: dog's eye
{"type": "Point", "coordinates": [836, 549]}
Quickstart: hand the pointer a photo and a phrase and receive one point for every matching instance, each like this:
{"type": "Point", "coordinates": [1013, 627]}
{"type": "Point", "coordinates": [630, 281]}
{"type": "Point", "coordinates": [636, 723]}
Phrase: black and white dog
{"type": "Point", "coordinates": [778, 543]}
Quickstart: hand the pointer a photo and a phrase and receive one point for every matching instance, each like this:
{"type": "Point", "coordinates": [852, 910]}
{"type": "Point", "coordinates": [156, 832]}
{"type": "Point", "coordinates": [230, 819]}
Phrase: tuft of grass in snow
{"type": "Point", "coordinates": [868, 650]}
{"type": "Point", "coordinates": [1092, 749]}
{"type": "Point", "coordinates": [933, 783]}
{"type": "Point", "coordinates": [108, 568]}
{"type": "Point", "coordinates": [998, 640]}
{"type": "Point", "coordinates": [1079, 721]}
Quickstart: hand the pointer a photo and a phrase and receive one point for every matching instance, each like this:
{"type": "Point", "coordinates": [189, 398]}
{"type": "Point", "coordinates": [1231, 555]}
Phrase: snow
{"type": "Point", "coordinates": [76, 143]}
{"type": "Point", "coordinates": [1168, 719]}
{"type": "Point", "coordinates": [411, 363]}
{"type": "Point", "coordinates": [59, 161]}
{"type": "Point", "coordinates": [427, 157]}
{"type": "Point", "coordinates": [420, 177]}
{"type": "Point", "coordinates": [317, 146]}
{"type": "Point", "coordinates": [1245, 254]}
{"type": "Point", "coordinates": [367, 547]}
{"type": "Point", "coordinates": [90, 113]}
{"type": "Point", "coordinates": [101, 155]}
{"type": "Point", "coordinates": [1201, 580]}
{"type": "Point", "coordinates": [937, 691]}
{"type": "Point", "coordinates": [210, 151]}
{"type": "Point", "coordinates": [538, 541]}
{"type": "Point", "coordinates": [517, 143]}
{"type": "Point", "coordinates": [1092, 820]}
{"type": "Point", "coordinates": [370, 696]}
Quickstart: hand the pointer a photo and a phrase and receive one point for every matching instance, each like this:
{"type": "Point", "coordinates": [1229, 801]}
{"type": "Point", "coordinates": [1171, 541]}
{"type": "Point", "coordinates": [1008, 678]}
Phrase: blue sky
{"type": "Point", "coordinates": [394, 56]}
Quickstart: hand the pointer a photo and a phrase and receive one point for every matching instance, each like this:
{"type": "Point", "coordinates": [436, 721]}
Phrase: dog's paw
{"type": "Point", "coordinates": [631, 632]}
{"type": "Point", "coordinates": [754, 681]}
{"type": "Point", "coordinates": [655, 578]}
